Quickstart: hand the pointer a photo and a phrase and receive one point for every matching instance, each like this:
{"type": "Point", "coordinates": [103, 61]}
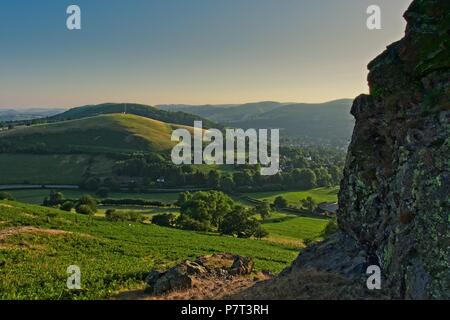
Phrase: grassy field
{"type": "Point", "coordinates": [36, 196]}
{"type": "Point", "coordinates": [293, 197]}
{"type": "Point", "coordinates": [295, 230]}
{"type": "Point", "coordinates": [112, 256]}
{"type": "Point", "coordinates": [50, 169]}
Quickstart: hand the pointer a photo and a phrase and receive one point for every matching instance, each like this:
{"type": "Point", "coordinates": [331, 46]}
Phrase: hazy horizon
{"type": "Point", "coordinates": [173, 104]}
{"type": "Point", "coordinates": [203, 52]}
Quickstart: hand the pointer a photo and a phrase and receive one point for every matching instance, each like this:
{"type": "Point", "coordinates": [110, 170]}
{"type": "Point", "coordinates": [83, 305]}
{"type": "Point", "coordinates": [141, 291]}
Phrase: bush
{"type": "Point", "coordinates": [67, 206]}
{"type": "Point", "coordinates": [164, 220]}
{"type": "Point", "coordinates": [280, 202]}
{"type": "Point", "coordinates": [239, 222]}
{"type": "Point", "coordinates": [88, 201]}
{"type": "Point", "coordinates": [113, 215]}
{"type": "Point", "coordinates": [187, 223]}
{"type": "Point", "coordinates": [260, 233]}
{"type": "Point", "coordinates": [84, 209]}
{"type": "Point", "coordinates": [330, 229]}
{"type": "Point", "coordinates": [6, 196]}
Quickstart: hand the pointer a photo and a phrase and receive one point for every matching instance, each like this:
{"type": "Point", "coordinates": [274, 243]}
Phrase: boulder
{"type": "Point", "coordinates": [184, 275]}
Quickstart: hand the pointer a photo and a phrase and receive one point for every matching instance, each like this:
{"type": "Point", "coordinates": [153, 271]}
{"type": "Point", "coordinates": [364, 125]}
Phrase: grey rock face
{"type": "Point", "coordinates": [394, 199]}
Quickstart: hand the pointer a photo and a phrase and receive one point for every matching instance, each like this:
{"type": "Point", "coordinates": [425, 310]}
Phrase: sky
{"type": "Point", "coordinates": [189, 51]}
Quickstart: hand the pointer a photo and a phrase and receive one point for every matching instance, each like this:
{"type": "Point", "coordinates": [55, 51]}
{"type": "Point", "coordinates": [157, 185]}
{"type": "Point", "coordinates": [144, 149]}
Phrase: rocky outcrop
{"type": "Point", "coordinates": [186, 274]}
{"type": "Point", "coordinates": [394, 199]}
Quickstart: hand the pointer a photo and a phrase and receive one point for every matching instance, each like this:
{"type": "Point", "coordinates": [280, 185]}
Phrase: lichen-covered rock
{"type": "Point", "coordinates": [185, 274]}
{"type": "Point", "coordinates": [394, 198]}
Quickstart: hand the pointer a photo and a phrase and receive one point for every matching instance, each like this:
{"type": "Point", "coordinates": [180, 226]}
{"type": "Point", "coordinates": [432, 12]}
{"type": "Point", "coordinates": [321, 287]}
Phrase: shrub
{"type": "Point", "coordinates": [88, 201]}
{"type": "Point", "coordinates": [164, 220]}
{"type": "Point", "coordinates": [239, 222]}
{"type": "Point", "coordinates": [114, 215]}
{"type": "Point", "coordinates": [330, 229]}
{"type": "Point", "coordinates": [6, 196]}
{"type": "Point", "coordinates": [187, 223]}
{"type": "Point", "coordinates": [84, 209]}
{"type": "Point", "coordinates": [67, 206]}
{"type": "Point", "coordinates": [260, 233]}
{"type": "Point", "coordinates": [280, 202]}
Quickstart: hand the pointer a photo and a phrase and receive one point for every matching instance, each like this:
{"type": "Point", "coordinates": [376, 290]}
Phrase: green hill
{"type": "Point", "coordinates": [145, 111]}
{"type": "Point", "coordinates": [109, 133]}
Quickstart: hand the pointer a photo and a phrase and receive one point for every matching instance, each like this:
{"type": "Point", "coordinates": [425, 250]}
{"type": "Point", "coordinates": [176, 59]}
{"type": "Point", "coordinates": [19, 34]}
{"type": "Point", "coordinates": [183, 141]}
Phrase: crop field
{"type": "Point", "coordinates": [293, 197]}
{"type": "Point", "coordinates": [37, 245]}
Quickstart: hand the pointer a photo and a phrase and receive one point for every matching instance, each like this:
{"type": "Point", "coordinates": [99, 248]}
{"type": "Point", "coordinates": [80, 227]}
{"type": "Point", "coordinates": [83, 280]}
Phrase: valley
{"type": "Point", "coordinates": [121, 161]}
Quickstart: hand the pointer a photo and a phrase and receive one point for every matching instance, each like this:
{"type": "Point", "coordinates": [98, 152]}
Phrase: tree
{"type": "Point", "coordinates": [330, 229]}
{"type": "Point", "coordinates": [84, 209]}
{"type": "Point", "coordinates": [183, 197]}
{"type": "Point", "coordinates": [54, 199]}
{"type": "Point", "coordinates": [324, 179]}
{"type": "Point", "coordinates": [110, 213]}
{"type": "Point", "coordinates": [164, 220]}
{"type": "Point", "coordinates": [263, 209]}
{"type": "Point", "coordinates": [336, 174]}
{"type": "Point", "coordinates": [6, 196]}
{"type": "Point", "coordinates": [260, 233]}
{"type": "Point", "coordinates": [239, 222]}
{"type": "Point", "coordinates": [207, 207]}
{"type": "Point", "coordinates": [67, 206]}
{"type": "Point", "coordinates": [86, 201]}
{"type": "Point", "coordinates": [280, 202]}
{"type": "Point", "coordinates": [308, 204]}
{"type": "Point", "coordinates": [227, 183]}
{"type": "Point", "coordinates": [213, 179]}
{"type": "Point", "coordinates": [187, 223]}
{"type": "Point", "coordinates": [243, 178]}
{"type": "Point", "coordinates": [304, 178]}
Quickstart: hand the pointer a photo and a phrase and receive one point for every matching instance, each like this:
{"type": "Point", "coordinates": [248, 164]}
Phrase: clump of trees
{"type": "Point", "coordinates": [164, 220]}
{"type": "Point", "coordinates": [115, 215]}
{"type": "Point", "coordinates": [86, 205]}
{"type": "Point", "coordinates": [214, 210]}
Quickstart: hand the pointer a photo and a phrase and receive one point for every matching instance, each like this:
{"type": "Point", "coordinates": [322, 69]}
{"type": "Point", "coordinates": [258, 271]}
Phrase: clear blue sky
{"type": "Point", "coordinates": [189, 51]}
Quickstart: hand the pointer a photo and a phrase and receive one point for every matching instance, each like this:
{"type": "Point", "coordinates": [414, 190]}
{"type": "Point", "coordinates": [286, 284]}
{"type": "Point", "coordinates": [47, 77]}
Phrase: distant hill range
{"type": "Point", "coordinates": [327, 123]}
{"type": "Point", "coordinates": [175, 117]}
{"type": "Point", "coordinates": [9, 114]}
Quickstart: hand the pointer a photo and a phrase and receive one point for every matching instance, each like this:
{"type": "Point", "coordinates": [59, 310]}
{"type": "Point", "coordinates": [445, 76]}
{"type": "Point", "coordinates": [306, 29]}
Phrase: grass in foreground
{"type": "Point", "coordinates": [112, 255]}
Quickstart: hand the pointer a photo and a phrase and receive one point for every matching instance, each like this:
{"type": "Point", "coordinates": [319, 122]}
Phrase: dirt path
{"type": "Point", "coordinates": [5, 233]}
